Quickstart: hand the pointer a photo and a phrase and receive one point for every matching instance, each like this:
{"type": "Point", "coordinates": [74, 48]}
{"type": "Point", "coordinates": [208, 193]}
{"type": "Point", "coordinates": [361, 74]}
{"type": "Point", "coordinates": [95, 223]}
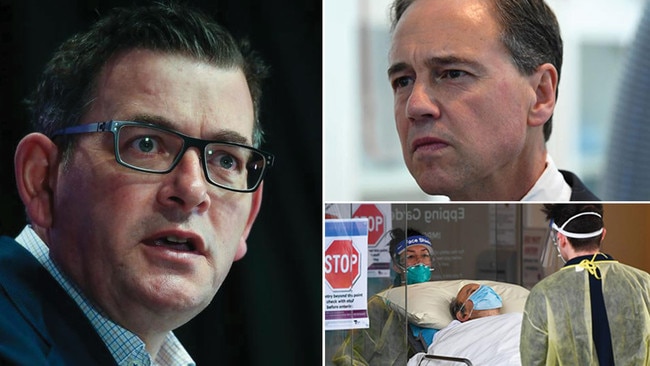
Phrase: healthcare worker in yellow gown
{"type": "Point", "coordinates": [593, 311]}
{"type": "Point", "coordinates": [386, 342]}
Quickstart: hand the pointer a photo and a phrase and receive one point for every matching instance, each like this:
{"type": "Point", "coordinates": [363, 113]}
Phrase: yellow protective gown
{"type": "Point", "coordinates": [556, 328]}
{"type": "Point", "coordinates": [383, 344]}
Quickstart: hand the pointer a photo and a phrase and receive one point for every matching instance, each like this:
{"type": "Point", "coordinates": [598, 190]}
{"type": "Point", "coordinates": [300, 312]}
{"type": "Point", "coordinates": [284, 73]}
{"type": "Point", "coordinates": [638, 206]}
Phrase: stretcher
{"type": "Point", "coordinates": [446, 358]}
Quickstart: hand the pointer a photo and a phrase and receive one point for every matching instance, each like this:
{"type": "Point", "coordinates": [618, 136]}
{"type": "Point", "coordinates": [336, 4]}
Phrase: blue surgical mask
{"type": "Point", "coordinates": [418, 273]}
{"type": "Point", "coordinates": [485, 298]}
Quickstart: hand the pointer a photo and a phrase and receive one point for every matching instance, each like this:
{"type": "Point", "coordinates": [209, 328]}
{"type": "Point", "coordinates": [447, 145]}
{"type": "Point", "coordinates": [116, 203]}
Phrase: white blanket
{"type": "Point", "coordinates": [491, 340]}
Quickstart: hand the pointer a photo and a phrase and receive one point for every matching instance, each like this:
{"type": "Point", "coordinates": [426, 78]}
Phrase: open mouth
{"type": "Point", "coordinates": [175, 243]}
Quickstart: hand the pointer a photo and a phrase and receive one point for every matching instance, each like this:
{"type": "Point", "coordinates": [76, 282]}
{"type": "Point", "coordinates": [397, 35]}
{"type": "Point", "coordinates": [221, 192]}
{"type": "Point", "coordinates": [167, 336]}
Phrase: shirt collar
{"type": "Point", "coordinates": [550, 186]}
{"type": "Point", "coordinates": [126, 347]}
{"type": "Point", "coordinates": [597, 258]}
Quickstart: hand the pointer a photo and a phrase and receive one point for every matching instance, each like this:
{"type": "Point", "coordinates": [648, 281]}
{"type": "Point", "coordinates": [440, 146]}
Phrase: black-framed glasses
{"type": "Point", "coordinates": [155, 149]}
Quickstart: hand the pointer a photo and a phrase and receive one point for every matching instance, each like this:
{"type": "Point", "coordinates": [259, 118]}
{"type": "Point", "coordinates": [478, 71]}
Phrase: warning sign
{"type": "Point", "coordinates": [345, 262]}
{"type": "Point", "coordinates": [379, 225]}
{"type": "Point", "coordinates": [342, 267]}
{"type": "Point", "coordinates": [376, 221]}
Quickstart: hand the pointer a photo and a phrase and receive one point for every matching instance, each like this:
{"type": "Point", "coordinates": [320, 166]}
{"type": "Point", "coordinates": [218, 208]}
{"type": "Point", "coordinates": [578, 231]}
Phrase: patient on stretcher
{"type": "Point", "coordinates": [479, 332]}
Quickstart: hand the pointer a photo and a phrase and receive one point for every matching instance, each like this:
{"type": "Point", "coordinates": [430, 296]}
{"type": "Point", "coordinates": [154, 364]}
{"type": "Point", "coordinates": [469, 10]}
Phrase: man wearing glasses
{"type": "Point", "coordinates": [141, 185]}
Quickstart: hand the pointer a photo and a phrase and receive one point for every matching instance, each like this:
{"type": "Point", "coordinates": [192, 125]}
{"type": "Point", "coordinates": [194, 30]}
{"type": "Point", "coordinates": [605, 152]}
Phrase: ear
{"type": "Point", "coordinates": [255, 209]}
{"type": "Point", "coordinates": [463, 317]}
{"type": "Point", "coordinates": [562, 240]}
{"type": "Point", "coordinates": [36, 163]}
{"type": "Point", "coordinates": [544, 81]}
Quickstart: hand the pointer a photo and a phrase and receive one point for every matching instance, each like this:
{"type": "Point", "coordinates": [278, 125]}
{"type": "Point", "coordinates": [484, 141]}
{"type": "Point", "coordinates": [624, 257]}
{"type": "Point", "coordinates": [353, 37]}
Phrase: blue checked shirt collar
{"type": "Point", "coordinates": [126, 347]}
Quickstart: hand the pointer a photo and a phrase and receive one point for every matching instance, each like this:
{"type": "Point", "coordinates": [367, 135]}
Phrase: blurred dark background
{"type": "Point", "coordinates": [269, 310]}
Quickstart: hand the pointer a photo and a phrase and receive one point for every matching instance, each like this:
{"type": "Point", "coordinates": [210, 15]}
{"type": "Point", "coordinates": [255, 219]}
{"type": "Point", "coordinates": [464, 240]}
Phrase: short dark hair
{"type": "Point", "coordinates": [560, 213]}
{"type": "Point", "coordinates": [454, 307]}
{"type": "Point", "coordinates": [68, 82]}
{"type": "Point", "coordinates": [530, 32]}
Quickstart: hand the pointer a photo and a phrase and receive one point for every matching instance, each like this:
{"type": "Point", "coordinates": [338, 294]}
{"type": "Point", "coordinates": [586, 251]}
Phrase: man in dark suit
{"type": "Point", "coordinates": [141, 185]}
{"type": "Point", "coordinates": [473, 114]}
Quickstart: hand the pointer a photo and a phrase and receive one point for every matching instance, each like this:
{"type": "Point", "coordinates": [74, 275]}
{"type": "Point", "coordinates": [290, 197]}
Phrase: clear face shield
{"type": "Point", "coordinates": [551, 258]}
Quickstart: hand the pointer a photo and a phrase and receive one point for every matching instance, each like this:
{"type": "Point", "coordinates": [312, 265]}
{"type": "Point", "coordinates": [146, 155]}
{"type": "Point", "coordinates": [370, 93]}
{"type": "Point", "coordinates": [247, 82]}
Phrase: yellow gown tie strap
{"type": "Point", "coordinates": [590, 266]}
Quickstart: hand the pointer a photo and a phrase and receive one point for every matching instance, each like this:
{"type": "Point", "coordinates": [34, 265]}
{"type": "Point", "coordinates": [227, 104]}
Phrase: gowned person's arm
{"type": "Point", "coordinates": [533, 344]}
{"type": "Point", "coordinates": [382, 344]}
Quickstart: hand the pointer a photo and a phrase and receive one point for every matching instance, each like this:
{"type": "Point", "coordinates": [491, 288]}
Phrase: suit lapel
{"type": "Point", "coordinates": [52, 313]}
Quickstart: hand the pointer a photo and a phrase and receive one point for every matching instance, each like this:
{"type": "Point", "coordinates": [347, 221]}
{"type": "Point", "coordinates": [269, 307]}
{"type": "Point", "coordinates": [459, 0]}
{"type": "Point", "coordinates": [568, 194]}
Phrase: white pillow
{"type": "Point", "coordinates": [428, 302]}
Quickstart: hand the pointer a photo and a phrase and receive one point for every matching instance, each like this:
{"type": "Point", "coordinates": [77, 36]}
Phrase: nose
{"type": "Point", "coordinates": [186, 186]}
{"type": "Point", "coordinates": [421, 105]}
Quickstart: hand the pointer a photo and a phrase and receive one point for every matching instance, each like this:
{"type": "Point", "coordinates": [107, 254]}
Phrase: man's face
{"type": "Point", "coordinates": [466, 291]}
{"type": "Point", "coordinates": [460, 103]}
{"type": "Point", "coordinates": [119, 233]}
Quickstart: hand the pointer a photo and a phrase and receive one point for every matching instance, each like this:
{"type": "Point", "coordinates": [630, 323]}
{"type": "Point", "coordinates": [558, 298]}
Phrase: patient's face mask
{"type": "Point", "coordinates": [418, 273]}
{"type": "Point", "coordinates": [485, 298]}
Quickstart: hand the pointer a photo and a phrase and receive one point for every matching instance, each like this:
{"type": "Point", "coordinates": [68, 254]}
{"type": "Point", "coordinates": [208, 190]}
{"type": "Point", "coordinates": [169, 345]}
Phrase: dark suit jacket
{"type": "Point", "coordinates": [40, 324]}
{"type": "Point", "coordinates": [579, 192]}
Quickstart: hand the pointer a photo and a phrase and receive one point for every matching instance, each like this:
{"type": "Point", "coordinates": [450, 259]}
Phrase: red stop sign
{"type": "Point", "coordinates": [375, 222]}
{"type": "Point", "coordinates": [342, 264]}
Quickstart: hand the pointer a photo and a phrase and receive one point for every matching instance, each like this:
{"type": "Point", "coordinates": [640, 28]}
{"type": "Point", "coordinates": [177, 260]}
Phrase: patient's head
{"type": "Point", "coordinates": [475, 301]}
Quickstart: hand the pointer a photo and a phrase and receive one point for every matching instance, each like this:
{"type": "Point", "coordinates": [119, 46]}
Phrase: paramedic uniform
{"type": "Point", "coordinates": [386, 342]}
{"type": "Point", "coordinates": [568, 315]}
{"type": "Point", "coordinates": [383, 344]}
